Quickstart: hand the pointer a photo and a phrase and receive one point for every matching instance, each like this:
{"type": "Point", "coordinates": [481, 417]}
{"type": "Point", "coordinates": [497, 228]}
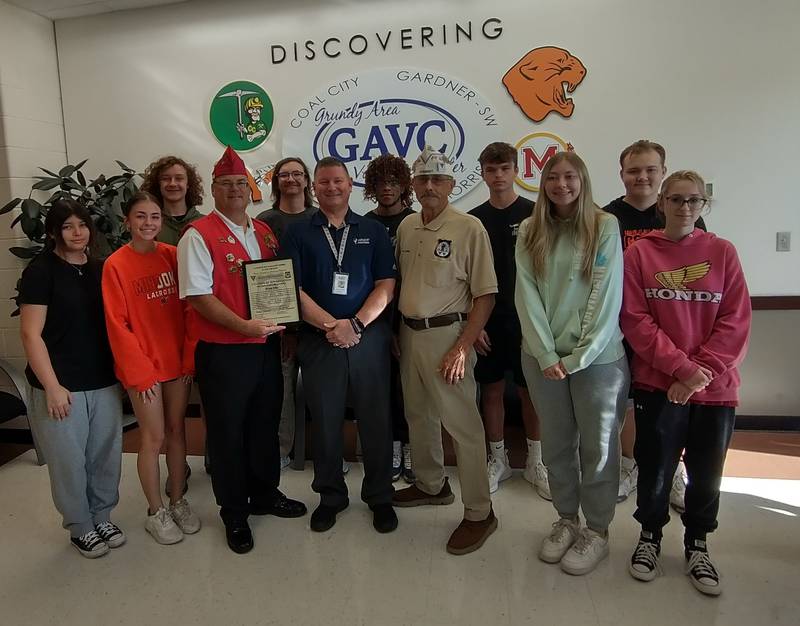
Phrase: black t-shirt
{"type": "Point", "coordinates": [503, 226]}
{"type": "Point", "coordinates": [75, 326]}
{"type": "Point", "coordinates": [279, 222]}
{"type": "Point", "coordinates": [635, 224]}
{"type": "Point", "coordinates": [391, 222]}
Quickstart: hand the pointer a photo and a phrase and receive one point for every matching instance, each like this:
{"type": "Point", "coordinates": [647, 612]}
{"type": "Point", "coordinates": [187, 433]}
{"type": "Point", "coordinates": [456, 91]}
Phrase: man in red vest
{"type": "Point", "coordinates": [237, 359]}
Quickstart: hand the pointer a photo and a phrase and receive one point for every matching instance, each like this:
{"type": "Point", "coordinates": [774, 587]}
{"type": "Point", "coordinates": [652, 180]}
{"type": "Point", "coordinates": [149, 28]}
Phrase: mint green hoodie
{"type": "Point", "coordinates": [565, 317]}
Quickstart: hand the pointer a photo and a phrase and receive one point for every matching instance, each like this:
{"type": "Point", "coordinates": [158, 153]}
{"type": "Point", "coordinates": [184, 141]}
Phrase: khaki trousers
{"type": "Point", "coordinates": [430, 404]}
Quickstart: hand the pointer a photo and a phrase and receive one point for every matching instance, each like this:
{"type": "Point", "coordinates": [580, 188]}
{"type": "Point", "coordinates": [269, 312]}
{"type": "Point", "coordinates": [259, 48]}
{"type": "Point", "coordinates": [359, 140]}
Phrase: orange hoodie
{"type": "Point", "coordinates": [146, 319]}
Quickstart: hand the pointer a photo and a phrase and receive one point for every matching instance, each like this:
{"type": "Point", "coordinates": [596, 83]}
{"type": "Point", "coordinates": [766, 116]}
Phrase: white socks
{"type": "Point", "coordinates": [534, 452]}
{"type": "Point", "coordinates": [498, 450]}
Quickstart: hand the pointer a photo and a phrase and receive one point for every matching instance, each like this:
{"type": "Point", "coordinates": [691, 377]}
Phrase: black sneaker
{"type": "Point", "coordinates": [700, 569]}
{"type": "Point", "coordinates": [90, 545]}
{"type": "Point", "coordinates": [188, 472]}
{"type": "Point", "coordinates": [644, 563]}
{"type": "Point", "coordinates": [111, 534]}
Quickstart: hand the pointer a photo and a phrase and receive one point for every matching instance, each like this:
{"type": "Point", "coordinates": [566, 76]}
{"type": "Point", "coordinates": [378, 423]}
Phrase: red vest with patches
{"type": "Point", "coordinates": [228, 254]}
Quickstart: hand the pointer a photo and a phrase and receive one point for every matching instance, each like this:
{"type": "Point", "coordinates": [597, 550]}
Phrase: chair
{"type": "Point", "coordinates": [14, 408]}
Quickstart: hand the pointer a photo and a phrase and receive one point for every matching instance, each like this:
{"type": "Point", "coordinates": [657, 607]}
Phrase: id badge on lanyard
{"type": "Point", "coordinates": [340, 278]}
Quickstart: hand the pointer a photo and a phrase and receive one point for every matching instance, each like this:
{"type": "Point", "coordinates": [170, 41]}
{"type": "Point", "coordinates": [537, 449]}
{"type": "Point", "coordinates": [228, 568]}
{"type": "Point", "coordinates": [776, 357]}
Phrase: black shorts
{"type": "Point", "coordinates": [505, 336]}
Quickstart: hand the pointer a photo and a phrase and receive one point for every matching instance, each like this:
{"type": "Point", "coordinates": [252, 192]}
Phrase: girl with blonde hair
{"type": "Point", "coordinates": [568, 296]}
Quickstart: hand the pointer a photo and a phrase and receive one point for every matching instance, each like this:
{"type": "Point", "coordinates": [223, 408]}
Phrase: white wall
{"type": "Point", "coordinates": [717, 82]}
{"type": "Point", "coordinates": [31, 135]}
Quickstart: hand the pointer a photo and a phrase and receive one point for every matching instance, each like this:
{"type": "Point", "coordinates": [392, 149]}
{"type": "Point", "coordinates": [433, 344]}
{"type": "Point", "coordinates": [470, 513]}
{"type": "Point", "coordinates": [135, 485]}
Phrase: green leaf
{"type": "Point", "coordinates": [125, 167]}
{"type": "Point", "coordinates": [17, 220]}
{"type": "Point", "coordinates": [25, 253]}
{"type": "Point", "coordinates": [81, 164]}
{"type": "Point", "coordinates": [10, 206]}
{"type": "Point", "coordinates": [81, 177]}
{"type": "Point", "coordinates": [46, 184]}
{"type": "Point", "coordinates": [29, 226]}
{"type": "Point", "coordinates": [53, 174]}
{"type": "Point", "coordinates": [67, 171]}
{"type": "Point", "coordinates": [31, 208]}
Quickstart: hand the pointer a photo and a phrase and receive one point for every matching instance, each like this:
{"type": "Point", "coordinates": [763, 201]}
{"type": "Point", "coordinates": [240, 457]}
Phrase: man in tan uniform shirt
{"type": "Point", "coordinates": [446, 295]}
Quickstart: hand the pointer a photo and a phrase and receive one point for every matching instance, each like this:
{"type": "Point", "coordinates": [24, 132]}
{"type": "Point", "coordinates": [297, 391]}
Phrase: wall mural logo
{"type": "Point", "coordinates": [540, 81]}
{"type": "Point", "coordinates": [398, 111]}
{"type": "Point", "coordinates": [534, 151]}
{"type": "Point", "coordinates": [241, 115]}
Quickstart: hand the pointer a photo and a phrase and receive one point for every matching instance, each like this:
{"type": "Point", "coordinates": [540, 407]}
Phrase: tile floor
{"type": "Point", "coordinates": [354, 576]}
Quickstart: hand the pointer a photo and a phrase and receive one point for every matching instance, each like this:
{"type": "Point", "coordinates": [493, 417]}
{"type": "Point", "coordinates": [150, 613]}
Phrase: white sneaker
{"type": "Point", "coordinates": [584, 555]}
{"type": "Point", "coordinates": [163, 528]}
{"type": "Point", "coordinates": [677, 494]}
{"type": "Point", "coordinates": [702, 573]}
{"type": "Point", "coordinates": [564, 533]}
{"type": "Point", "coordinates": [536, 475]}
{"type": "Point", "coordinates": [184, 517]}
{"type": "Point", "coordinates": [628, 475]}
{"type": "Point", "coordinates": [499, 469]}
{"type": "Point", "coordinates": [345, 467]}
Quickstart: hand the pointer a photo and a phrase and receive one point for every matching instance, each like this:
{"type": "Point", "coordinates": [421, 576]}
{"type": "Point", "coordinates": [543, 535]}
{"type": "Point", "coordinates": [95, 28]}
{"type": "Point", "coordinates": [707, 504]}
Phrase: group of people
{"type": "Point", "coordinates": [405, 316]}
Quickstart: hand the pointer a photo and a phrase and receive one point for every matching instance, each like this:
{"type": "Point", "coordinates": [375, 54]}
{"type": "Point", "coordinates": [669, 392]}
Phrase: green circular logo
{"type": "Point", "coordinates": [241, 115]}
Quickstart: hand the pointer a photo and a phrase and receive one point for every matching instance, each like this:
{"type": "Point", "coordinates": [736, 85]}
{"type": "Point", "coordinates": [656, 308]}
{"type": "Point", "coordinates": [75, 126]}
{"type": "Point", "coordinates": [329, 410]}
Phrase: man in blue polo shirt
{"type": "Point", "coordinates": [345, 270]}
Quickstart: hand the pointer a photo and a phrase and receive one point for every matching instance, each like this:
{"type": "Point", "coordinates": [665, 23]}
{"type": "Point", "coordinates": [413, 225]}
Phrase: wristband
{"type": "Point", "coordinates": [359, 325]}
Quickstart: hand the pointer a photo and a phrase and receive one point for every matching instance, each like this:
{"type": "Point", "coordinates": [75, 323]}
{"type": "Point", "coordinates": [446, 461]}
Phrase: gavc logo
{"type": "Point", "coordinates": [395, 111]}
{"type": "Point", "coordinates": [534, 151]}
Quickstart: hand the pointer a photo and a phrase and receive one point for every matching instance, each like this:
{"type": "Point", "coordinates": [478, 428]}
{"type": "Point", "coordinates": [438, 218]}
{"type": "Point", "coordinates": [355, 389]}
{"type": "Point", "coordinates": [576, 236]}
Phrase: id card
{"type": "Point", "coordinates": [340, 283]}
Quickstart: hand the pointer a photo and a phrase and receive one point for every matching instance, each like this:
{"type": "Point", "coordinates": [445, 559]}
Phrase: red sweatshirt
{"type": "Point", "coordinates": [145, 317]}
{"type": "Point", "coordinates": [686, 304]}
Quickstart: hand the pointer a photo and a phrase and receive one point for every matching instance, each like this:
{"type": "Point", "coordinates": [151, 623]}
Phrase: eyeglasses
{"type": "Point", "coordinates": [228, 185]}
{"type": "Point", "coordinates": [694, 202]}
{"type": "Point", "coordinates": [297, 175]}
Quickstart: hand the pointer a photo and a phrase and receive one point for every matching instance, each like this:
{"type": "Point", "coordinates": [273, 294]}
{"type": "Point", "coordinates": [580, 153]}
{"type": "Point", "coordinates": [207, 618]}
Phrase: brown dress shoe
{"type": "Point", "coordinates": [469, 536]}
{"type": "Point", "coordinates": [414, 496]}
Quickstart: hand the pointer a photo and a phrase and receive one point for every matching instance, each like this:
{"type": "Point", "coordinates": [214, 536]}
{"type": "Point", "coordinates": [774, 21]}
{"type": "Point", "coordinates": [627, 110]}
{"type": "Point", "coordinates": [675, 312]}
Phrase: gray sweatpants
{"type": "Point", "coordinates": [579, 418]}
{"type": "Point", "coordinates": [83, 454]}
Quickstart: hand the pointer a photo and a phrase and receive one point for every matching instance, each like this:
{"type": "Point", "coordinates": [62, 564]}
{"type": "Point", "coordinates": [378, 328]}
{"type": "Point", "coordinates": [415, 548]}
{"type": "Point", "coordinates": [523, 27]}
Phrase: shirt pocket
{"type": "Point", "coordinates": [440, 273]}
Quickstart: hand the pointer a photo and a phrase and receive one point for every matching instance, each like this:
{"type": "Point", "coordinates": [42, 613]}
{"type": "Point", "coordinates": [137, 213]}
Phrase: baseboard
{"type": "Point", "coordinates": [768, 422]}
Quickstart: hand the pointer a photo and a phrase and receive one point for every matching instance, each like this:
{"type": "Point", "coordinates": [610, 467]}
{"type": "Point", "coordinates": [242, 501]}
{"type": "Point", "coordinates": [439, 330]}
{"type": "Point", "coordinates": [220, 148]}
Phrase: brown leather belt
{"type": "Point", "coordinates": [434, 322]}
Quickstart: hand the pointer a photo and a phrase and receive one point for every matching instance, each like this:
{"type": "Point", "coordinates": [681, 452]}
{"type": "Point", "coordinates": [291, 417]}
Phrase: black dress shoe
{"type": "Point", "coordinates": [324, 517]}
{"type": "Point", "coordinates": [239, 537]}
{"type": "Point", "coordinates": [281, 506]}
{"type": "Point", "coordinates": [384, 519]}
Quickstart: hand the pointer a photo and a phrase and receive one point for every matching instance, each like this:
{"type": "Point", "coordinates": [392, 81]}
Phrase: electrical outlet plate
{"type": "Point", "coordinates": [783, 241]}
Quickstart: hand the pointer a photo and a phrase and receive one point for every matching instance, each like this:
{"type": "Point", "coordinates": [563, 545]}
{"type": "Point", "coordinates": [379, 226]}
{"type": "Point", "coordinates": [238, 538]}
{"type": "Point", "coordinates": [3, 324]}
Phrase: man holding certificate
{"type": "Point", "coordinates": [237, 359]}
{"type": "Point", "coordinates": [344, 265]}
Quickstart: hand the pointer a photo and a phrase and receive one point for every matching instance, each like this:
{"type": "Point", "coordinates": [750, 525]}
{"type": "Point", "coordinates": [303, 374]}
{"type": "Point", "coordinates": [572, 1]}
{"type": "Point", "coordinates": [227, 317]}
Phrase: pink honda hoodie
{"type": "Point", "coordinates": [686, 304]}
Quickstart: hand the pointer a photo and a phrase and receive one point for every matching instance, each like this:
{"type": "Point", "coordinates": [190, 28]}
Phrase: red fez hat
{"type": "Point", "coordinates": [230, 164]}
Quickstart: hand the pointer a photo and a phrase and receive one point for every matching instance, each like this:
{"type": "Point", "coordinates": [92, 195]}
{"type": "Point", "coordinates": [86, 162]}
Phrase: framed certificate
{"type": "Point", "coordinates": [271, 290]}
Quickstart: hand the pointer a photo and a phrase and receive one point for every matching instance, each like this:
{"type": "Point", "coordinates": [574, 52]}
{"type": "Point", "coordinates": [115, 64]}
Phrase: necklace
{"type": "Point", "coordinates": [77, 268]}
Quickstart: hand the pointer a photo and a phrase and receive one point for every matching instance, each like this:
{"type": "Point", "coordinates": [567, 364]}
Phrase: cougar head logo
{"type": "Point", "coordinates": [681, 277]}
{"type": "Point", "coordinates": [540, 81]}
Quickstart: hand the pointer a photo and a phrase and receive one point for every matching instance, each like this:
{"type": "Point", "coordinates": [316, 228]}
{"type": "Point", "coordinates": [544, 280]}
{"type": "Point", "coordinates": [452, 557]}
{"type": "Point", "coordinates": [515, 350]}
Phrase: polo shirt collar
{"type": "Point", "coordinates": [233, 225]}
{"type": "Point", "coordinates": [438, 221]}
{"type": "Point", "coordinates": [320, 219]}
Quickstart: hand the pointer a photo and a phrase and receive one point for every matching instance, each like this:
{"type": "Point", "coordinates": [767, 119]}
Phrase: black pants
{"type": "Point", "coordinates": [399, 423]}
{"type": "Point", "coordinates": [663, 430]}
{"type": "Point", "coordinates": [241, 387]}
{"type": "Point", "coordinates": [334, 377]}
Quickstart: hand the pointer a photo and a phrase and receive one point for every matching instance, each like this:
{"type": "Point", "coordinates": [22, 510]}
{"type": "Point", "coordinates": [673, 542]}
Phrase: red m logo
{"type": "Point", "coordinates": [531, 159]}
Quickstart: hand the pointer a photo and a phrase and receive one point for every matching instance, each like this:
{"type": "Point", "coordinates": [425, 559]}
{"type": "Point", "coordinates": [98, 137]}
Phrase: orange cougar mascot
{"type": "Point", "coordinates": [540, 81]}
